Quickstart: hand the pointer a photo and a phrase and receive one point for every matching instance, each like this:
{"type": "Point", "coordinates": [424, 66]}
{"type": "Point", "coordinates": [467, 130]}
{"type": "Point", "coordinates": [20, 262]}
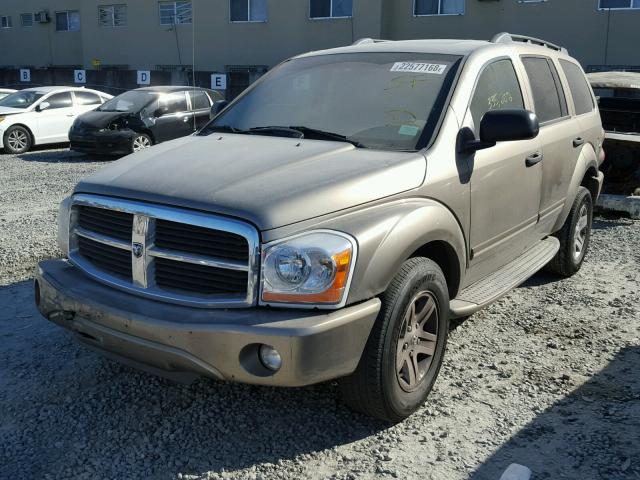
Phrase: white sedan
{"type": "Point", "coordinates": [41, 115]}
{"type": "Point", "coordinates": [4, 92]}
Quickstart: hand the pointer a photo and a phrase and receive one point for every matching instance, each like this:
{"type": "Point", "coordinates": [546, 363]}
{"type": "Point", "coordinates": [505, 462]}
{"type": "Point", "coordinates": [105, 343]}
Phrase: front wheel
{"type": "Point", "coordinates": [406, 346]}
{"type": "Point", "coordinates": [140, 142]}
{"type": "Point", "coordinates": [17, 140]}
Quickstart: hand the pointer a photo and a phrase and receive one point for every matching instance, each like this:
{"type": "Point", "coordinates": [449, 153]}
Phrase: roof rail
{"type": "Point", "coordinates": [364, 41]}
{"type": "Point", "coordinates": [505, 37]}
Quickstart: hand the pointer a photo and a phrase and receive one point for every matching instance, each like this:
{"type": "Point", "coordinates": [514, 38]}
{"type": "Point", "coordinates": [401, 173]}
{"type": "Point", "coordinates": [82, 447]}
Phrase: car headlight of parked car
{"type": "Point", "coordinates": [118, 124]}
{"type": "Point", "coordinates": [2, 117]}
{"type": "Point", "coordinates": [311, 268]}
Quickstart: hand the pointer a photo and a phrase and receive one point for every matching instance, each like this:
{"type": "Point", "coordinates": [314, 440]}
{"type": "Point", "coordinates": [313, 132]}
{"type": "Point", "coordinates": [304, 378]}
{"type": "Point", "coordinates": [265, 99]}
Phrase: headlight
{"type": "Point", "coordinates": [312, 268]}
{"type": "Point", "coordinates": [2, 117]}
{"type": "Point", "coordinates": [63, 225]}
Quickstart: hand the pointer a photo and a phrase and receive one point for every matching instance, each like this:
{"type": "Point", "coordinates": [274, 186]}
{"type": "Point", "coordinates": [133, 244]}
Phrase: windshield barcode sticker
{"type": "Point", "coordinates": [412, 67]}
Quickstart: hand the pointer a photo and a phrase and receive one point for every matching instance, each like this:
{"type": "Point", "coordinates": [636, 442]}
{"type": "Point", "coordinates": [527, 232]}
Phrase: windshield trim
{"type": "Point", "coordinates": [430, 131]}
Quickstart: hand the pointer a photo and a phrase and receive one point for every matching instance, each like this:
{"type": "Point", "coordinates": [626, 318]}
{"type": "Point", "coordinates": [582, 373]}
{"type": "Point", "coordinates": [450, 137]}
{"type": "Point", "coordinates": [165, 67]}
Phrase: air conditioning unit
{"type": "Point", "coordinates": [42, 17]}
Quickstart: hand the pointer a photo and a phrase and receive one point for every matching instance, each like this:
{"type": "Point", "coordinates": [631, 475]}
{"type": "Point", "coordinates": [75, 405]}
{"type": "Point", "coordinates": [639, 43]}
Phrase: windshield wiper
{"type": "Point", "coordinates": [221, 128]}
{"type": "Point", "coordinates": [323, 135]}
{"type": "Point", "coordinates": [287, 131]}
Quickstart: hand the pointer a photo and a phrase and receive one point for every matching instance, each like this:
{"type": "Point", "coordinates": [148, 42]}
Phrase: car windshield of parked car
{"type": "Point", "coordinates": [386, 100]}
{"type": "Point", "coordinates": [21, 99]}
{"type": "Point", "coordinates": [131, 102]}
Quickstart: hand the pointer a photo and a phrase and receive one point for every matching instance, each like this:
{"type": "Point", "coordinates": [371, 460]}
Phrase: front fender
{"type": "Point", "coordinates": [387, 233]}
{"type": "Point", "coordinates": [390, 242]}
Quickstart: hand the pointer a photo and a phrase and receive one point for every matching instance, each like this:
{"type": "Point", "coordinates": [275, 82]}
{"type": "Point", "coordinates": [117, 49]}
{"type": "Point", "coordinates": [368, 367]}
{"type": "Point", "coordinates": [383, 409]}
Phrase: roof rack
{"type": "Point", "coordinates": [505, 37]}
{"type": "Point", "coordinates": [364, 41]}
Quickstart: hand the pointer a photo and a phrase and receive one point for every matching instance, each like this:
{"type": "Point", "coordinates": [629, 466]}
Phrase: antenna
{"type": "Point", "coordinates": [193, 60]}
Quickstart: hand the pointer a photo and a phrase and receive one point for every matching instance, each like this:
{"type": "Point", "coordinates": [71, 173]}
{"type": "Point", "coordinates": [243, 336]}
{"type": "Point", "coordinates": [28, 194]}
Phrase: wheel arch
{"type": "Point", "coordinates": [417, 228]}
{"type": "Point", "coordinates": [26, 127]}
{"type": "Point", "coordinates": [584, 174]}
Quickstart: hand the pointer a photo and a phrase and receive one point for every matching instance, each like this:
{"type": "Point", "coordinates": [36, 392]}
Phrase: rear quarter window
{"type": "Point", "coordinates": [580, 89]}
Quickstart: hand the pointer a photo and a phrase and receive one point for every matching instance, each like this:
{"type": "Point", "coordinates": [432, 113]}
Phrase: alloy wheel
{"type": "Point", "coordinates": [141, 142]}
{"type": "Point", "coordinates": [580, 233]}
{"type": "Point", "coordinates": [417, 341]}
{"type": "Point", "coordinates": [17, 140]}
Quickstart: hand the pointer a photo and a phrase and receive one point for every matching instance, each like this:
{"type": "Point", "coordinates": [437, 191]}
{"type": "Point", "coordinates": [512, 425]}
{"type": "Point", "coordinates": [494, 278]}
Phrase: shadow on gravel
{"type": "Point", "coordinates": [67, 412]}
{"type": "Point", "coordinates": [53, 154]}
{"type": "Point", "coordinates": [594, 433]}
{"type": "Point", "coordinates": [613, 221]}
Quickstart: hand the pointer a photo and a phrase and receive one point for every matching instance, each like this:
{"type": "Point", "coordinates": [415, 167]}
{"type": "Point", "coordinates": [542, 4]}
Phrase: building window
{"type": "Point", "coordinates": [330, 8]}
{"type": "Point", "coordinates": [174, 13]}
{"type": "Point", "coordinates": [112, 15]}
{"type": "Point", "coordinates": [5, 22]}
{"type": "Point", "coordinates": [68, 21]}
{"type": "Point", "coordinates": [248, 10]}
{"type": "Point", "coordinates": [26, 19]}
{"type": "Point", "coordinates": [619, 4]}
{"type": "Point", "coordinates": [438, 7]}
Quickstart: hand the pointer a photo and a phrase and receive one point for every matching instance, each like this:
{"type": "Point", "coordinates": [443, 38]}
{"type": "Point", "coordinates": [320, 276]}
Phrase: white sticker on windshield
{"type": "Point", "coordinates": [413, 67]}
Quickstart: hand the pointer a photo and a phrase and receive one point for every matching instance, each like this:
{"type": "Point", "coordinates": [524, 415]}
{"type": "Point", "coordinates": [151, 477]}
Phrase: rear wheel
{"type": "Point", "coordinates": [406, 346]}
{"type": "Point", "coordinates": [140, 142]}
{"type": "Point", "coordinates": [17, 140]}
{"type": "Point", "coordinates": [574, 236]}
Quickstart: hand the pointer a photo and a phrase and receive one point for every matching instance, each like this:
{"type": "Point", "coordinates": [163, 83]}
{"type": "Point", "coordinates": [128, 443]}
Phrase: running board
{"type": "Point", "coordinates": [493, 286]}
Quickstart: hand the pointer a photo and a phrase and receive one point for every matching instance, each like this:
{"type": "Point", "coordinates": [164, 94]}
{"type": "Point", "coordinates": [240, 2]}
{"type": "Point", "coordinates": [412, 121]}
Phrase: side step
{"type": "Point", "coordinates": [489, 289]}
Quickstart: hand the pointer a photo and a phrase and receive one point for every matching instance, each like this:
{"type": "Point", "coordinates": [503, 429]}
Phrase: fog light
{"type": "Point", "coordinates": [270, 357]}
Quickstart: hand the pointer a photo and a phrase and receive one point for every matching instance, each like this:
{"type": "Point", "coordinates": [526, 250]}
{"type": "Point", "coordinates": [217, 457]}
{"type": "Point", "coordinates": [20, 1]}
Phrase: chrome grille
{"type": "Point", "coordinates": [166, 253]}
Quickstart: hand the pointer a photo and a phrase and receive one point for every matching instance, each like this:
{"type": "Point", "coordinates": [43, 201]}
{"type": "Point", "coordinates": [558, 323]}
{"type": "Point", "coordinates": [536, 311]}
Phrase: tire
{"type": "Point", "coordinates": [381, 385]}
{"type": "Point", "coordinates": [140, 142]}
{"type": "Point", "coordinates": [17, 140]}
{"type": "Point", "coordinates": [574, 236]}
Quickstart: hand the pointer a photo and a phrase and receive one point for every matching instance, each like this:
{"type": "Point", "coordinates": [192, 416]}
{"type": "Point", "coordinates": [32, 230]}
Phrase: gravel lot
{"type": "Point", "coordinates": [547, 377]}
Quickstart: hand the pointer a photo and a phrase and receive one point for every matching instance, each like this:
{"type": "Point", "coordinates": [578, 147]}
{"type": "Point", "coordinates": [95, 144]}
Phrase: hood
{"type": "Point", "coordinates": [96, 119]}
{"type": "Point", "coordinates": [269, 181]}
{"type": "Point", "coordinates": [12, 111]}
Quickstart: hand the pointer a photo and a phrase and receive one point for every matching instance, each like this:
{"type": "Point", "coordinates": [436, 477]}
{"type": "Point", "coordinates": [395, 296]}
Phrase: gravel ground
{"type": "Point", "coordinates": [547, 377]}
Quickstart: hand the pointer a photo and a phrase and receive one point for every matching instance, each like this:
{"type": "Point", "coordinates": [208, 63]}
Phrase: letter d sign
{"type": "Point", "coordinates": [144, 77]}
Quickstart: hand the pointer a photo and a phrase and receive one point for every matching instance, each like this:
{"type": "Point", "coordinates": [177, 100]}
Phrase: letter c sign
{"type": "Point", "coordinates": [80, 76]}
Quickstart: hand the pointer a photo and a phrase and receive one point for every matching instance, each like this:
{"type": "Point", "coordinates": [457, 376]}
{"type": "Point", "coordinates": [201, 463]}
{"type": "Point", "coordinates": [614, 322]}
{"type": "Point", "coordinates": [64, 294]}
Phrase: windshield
{"type": "Point", "coordinates": [23, 99]}
{"type": "Point", "coordinates": [132, 102]}
{"type": "Point", "coordinates": [375, 100]}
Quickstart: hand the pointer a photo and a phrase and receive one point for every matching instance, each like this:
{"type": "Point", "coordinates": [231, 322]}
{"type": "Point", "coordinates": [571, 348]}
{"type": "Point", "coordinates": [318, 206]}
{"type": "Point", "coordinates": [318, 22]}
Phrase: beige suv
{"type": "Point", "coordinates": [329, 222]}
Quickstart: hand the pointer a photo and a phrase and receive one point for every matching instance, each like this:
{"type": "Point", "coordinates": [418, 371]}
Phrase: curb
{"type": "Point", "coordinates": [620, 203]}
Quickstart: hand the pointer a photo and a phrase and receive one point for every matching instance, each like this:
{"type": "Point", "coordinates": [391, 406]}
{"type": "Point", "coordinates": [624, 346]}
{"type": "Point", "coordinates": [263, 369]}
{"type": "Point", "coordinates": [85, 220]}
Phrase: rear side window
{"type": "Point", "coordinates": [174, 102]}
{"type": "Point", "coordinates": [60, 100]}
{"type": "Point", "coordinates": [497, 88]}
{"type": "Point", "coordinates": [199, 100]}
{"type": "Point", "coordinates": [86, 98]}
{"type": "Point", "coordinates": [548, 95]}
{"type": "Point", "coordinates": [580, 89]}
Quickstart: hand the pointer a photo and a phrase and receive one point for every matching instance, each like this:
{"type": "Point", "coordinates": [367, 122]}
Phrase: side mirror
{"type": "Point", "coordinates": [217, 107]}
{"type": "Point", "coordinates": [159, 112]}
{"type": "Point", "coordinates": [501, 126]}
{"type": "Point", "coordinates": [43, 106]}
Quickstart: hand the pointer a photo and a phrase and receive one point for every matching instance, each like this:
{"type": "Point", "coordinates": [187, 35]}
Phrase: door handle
{"type": "Point", "coordinates": [577, 142]}
{"type": "Point", "coordinates": [534, 158]}
{"type": "Point", "coordinates": [71, 114]}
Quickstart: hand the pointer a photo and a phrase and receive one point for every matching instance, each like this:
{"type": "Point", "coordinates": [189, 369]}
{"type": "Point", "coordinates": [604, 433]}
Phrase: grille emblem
{"type": "Point", "coordinates": [137, 249]}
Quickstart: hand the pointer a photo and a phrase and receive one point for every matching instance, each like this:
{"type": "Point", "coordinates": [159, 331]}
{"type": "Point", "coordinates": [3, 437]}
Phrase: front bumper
{"type": "Point", "coordinates": [184, 342]}
{"type": "Point", "coordinates": [113, 142]}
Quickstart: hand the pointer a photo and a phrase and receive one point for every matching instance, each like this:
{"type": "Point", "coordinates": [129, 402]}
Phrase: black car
{"type": "Point", "coordinates": [140, 118]}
